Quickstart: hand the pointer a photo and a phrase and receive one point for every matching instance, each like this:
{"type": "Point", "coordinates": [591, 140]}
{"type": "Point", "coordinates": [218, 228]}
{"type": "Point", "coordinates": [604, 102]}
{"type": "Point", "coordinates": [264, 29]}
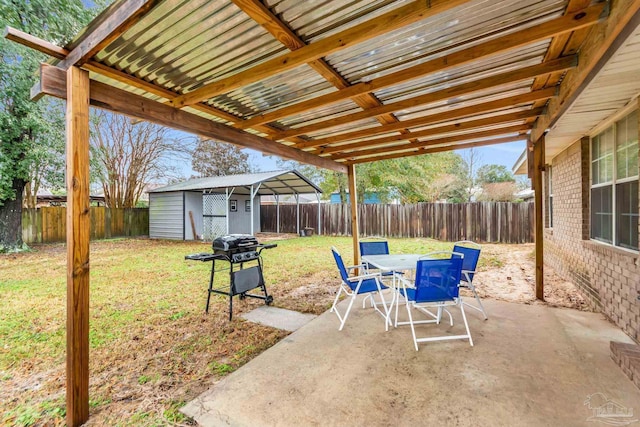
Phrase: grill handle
{"type": "Point", "coordinates": [271, 246]}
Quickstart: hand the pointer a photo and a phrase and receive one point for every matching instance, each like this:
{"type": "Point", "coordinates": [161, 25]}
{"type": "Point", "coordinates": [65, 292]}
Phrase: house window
{"type": "Point", "coordinates": [233, 205]}
{"type": "Point", "coordinates": [614, 184]}
{"type": "Point", "coordinates": [247, 205]}
{"type": "Point", "coordinates": [550, 192]}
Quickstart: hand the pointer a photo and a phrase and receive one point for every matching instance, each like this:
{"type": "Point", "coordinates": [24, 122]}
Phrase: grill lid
{"type": "Point", "coordinates": [235, 242]}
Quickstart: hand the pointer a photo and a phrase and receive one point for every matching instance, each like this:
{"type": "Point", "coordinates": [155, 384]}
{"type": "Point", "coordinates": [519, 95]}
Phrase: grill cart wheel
{"type": "Point", "coordinates": [268, 300]}
{"type": "Point", "coordinates": [243, 295]}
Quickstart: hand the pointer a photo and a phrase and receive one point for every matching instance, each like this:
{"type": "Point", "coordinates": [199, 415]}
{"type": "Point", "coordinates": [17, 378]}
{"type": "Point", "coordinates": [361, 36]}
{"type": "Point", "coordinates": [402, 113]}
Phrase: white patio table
{"type": "Point", "coordinates": [393, 263]}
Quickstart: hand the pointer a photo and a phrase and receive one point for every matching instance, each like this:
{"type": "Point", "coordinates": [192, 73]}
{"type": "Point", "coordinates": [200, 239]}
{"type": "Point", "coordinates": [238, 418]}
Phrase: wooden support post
{"type": "Point", "coordinates": [353, 199]}
{"type": "Point", "coordinates": [538, 167]}
{"type": "Point", "coordinates": [78, 230]}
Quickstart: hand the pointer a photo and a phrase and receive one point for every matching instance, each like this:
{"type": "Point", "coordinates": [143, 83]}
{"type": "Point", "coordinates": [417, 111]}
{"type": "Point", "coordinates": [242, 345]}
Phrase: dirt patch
{"type": "Point", "coordinates": [508, 274]}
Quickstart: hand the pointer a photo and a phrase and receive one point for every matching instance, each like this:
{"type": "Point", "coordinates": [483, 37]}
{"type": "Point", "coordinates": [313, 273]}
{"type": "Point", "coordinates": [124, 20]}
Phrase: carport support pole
{"type": "Point", "coordinates": [353, 199]}
{"type": "Point", "coordinates": [278, 213]}
{"type": "Point", "coordinates": [226, 209]}
{"type": "Point", "coordinates": [77, 120]}
{"type": "Point", "coordinates": [319, 223]}
{"type": "Point", "coordinates": [538, 168]}
{"type": "Point", "coordinates": [298, 214]}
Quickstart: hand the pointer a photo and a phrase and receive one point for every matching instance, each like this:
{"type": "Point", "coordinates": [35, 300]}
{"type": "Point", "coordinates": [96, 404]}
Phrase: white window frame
{"type": "Point", "coordinates": [614, 180]}
{"type": "Point", "coordinates": [550, 195]}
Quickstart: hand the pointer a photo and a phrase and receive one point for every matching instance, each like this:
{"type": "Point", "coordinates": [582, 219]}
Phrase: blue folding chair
{"type": "Point", "coordinates": [353, 286]}
{"type": "Point", "coordinates": [376, 247]}
{"type": "Point", "coordinates": [471, 252]}
{"type": "Point", "coordinates": [435, 286]}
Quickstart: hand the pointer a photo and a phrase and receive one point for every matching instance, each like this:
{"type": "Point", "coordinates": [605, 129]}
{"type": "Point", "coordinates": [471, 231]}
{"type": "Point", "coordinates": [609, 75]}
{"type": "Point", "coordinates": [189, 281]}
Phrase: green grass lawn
{"type": "Point", "coordinates": [152, 346]}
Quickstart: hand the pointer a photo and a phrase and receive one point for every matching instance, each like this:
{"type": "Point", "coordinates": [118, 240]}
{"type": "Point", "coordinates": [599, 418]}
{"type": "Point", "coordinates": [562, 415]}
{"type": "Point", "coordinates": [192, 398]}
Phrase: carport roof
{"type": "Point", "coordinates": [275, 182]}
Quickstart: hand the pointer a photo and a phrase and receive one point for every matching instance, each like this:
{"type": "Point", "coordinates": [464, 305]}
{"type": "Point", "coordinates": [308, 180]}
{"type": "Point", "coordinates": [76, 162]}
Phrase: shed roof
{"type": "Point", "coordinates": [275, 182]}
{"type": "Point", "coordinates": [336, 83]}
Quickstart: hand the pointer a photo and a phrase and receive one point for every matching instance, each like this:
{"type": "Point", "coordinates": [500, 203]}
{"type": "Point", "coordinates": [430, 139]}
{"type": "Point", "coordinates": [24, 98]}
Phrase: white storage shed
{"type": "Point", "coordinates": [204, 208]}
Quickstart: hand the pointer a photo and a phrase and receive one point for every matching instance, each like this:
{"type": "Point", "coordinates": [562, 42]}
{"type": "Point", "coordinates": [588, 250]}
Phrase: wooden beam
{"type": "Point", "coordinates": [138, 83]}
{"type": "Point", "coordinates": [559, 46]}
{"type": "Point", "coordinates": [35, 43]}
{"type": "Point", "coordinates": [353, 199]}
{"type": "Point", "coordinates": [563, 25]}
{"type": "Point", "coordinates": [538, 167]}
{"type": "Point", "coordinates": [601, 43]}
{"type": "Point", "coordinates": [109, 98]}
{"type": "Point", "coordinates": [432, 119]}
{"type": "Point", "coordinates": [446, 140]}
{"type": "Point", "coordinates": [108, 26]}
{"type": "Point", "coordinates": [263, 16]}
{"type": "Point", "coordinates": [421, 151]}
{"type": "Point", "coordinates": [497, 80]}
{"type": "Point", "coordinates": [78, 232]}
{"type": "Point", "coordinates": [402, 16]}
{"type": "Point", "coordinates": [501, 119]}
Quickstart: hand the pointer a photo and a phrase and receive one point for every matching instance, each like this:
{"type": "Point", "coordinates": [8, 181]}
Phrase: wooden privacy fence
{"type": "Point", "coordinates": [501, 222]}
{"type": "Point", "coordinates": [46, 225]}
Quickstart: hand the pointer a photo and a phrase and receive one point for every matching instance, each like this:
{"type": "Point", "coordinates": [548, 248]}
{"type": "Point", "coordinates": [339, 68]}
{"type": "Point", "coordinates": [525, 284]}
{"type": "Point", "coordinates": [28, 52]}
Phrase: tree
{"type": "Point", "coordinates": [214, 158]}
{"type": "Point", "coordinates": [494, 173]}
{"type": "Point", "coordinates": [471, 158]}
{"type": "Point", "coordinates": [128, 156]}
{"type": "Point", "coordinates": [498, 191]}
{"type": "Point", "coordinates": [425, 178]}
{"type": "Point", "coordinates": [498, 183]}
{"type": "Point", "coordinates": [27, 132]}
{"type": "Point", "coordinates": [47, 160]}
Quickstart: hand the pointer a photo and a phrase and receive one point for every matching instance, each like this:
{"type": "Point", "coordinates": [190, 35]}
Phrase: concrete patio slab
{"type": "Point", "coordinates": [531, 366]}
{"type": "Point", "coordinates": [280, 318]}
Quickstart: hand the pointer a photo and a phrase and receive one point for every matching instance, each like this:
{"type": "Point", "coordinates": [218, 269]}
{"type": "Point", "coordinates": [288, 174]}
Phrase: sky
{"type": "Point", "coordinates": [502, 154]}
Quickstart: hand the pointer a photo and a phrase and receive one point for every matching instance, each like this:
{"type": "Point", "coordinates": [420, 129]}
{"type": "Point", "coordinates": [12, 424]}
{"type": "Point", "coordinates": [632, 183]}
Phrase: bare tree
{"type": "Point", "coordinates": [214, 158]}
{"type": "Point", "coordinates": [498, 191]}
{"type": "Point", "coordinates": [128, 156]}
{"type": "Point", "coordinates": [472, 158]}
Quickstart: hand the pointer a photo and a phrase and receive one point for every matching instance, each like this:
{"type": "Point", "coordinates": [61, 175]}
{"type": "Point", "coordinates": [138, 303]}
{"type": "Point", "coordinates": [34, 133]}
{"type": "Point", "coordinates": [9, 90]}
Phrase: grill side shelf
{"type": "Point", "coordinates": [204, 256]}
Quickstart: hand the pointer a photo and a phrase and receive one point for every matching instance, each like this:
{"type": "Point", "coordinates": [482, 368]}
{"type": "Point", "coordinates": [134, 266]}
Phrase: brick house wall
{"type": "Point", "coordinates": [608, 277]}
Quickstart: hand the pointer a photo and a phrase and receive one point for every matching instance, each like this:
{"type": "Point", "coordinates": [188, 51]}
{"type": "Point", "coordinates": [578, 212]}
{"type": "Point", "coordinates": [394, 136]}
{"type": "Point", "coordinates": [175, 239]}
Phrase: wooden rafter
{"type": "Point", "coordinates": [438, 141]}
{"type": "Point", "coordinates": [499, 120]}
{"type": "Point", "coordinates": [563, 25]}
{"type": "Point", "coordinates": [560, 46]}
{"type": "Point", "coordinates": [497, 80]}
{"type": "Point", "coordinates": [112, 73]}
{"type": "Point", "coordinates": [263, 16]}
{"type": "Point", "coordinates": [597, 48]}
{"type": "Point", "coordinates": [421, 151]}
{"type": "Point", "coordinates": [52, 83]}
{"type": "Point", "coordinates": [130, 80]}
{"type": "Point", "coordinates": [402, 16]}
{"type": "Point", "coordinates": [432, 119]}
{"type": "Point", "coordinates": [110, 25]}
{"type": "Point", "coordinates": [35, 43]}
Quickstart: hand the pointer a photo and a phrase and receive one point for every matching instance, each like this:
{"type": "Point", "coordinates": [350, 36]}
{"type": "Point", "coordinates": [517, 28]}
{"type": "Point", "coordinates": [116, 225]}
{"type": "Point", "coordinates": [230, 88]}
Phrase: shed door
{"type": "Point", "coordinates": [214, 215]}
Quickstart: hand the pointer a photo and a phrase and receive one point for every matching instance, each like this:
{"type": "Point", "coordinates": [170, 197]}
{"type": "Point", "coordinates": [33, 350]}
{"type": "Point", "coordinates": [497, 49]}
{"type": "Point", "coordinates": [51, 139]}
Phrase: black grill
{"type": "Point", "coordinates": [237, 247]}
{"type": "Point", "coordinates": [241, 254]}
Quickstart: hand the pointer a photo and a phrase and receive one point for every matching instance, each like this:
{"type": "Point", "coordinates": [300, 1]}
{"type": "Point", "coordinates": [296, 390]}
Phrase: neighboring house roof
{"type": "Point", "coordinates": [62, 198]}
{"type": "Point", "coordinates": [525, 194]}
{"type": "Point", "coordinates": [275, 182]}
